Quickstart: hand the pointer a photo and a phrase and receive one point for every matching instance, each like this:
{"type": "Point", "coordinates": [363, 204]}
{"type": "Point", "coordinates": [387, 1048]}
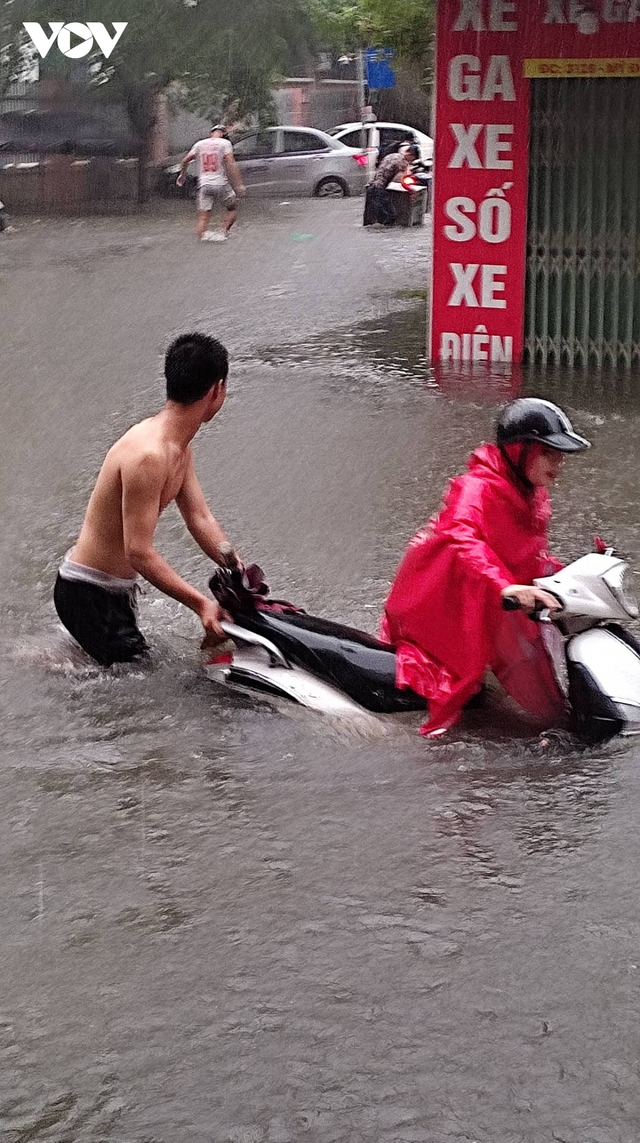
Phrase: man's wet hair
{"type": "Point", "coordinates": [193, 363]}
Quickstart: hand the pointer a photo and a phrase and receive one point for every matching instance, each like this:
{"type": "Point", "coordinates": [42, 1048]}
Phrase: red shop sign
{"type": "Point", "coordinates": [487, 51]}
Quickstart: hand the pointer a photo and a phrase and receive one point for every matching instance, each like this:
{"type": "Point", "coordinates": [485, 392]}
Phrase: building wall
{"type": "Point", "coordinates": [316, 103]}
{"type": "Point", "coordinates": [184, 128]}
{"type": "Point", "coordinates": [60, 184]}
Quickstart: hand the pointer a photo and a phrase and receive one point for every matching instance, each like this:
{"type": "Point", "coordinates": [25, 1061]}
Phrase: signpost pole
{"type": "Point", "coordinates": [361, 97]}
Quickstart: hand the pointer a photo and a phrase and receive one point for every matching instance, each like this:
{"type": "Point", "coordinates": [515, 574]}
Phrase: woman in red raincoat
{"type": "Point", "coordinates": [444, 612]}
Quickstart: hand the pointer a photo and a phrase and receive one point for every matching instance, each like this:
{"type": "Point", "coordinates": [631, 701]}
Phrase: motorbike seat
{"type": "Point", "coordinates": [351, 660]}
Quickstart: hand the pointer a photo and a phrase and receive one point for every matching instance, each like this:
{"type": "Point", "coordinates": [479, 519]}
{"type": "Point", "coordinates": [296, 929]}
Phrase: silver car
{"type": "Point", "coordinates": [291, 161]}
{"type": "Point", "coordinates": [286, 161]}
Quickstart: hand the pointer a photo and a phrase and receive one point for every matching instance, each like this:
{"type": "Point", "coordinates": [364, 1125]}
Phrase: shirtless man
{"type": "Point", "coordinates": [147, 468]}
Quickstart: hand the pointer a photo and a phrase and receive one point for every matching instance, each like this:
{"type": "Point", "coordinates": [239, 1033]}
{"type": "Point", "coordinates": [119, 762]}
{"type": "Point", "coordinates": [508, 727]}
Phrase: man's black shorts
{"type": "Point", "coordinates": [103, 622]}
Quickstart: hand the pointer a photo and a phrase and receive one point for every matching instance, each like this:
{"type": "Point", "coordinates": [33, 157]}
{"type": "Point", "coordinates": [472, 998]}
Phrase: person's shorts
{"type": "Point", "coordinates": [103, 622]}
{"type": "Point", "coordinates": [224, 194]}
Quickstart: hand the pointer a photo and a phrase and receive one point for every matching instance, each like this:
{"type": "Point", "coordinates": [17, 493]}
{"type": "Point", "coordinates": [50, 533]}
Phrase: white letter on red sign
{"type": "Point", "coordinates": [497, 13]}
{"type": "Point", "coordinates": [457, 209]}
{"type": "Point", "coordinates": [499, 80]}
{"type": "Point", "coordinates": [494, 219]}
{"type": "Point", "coordinates": [501, 349]}
{"type": "Point", "coordinates": [464, 78]}
{"type": "Point", "coordinates": [463, 291]}
{"type": "Point", "coordinates": [480, 342]}
{"type": "Point", "coordinates": [493, 146]}
{"type": "Point", "coordinates": [450, 347]}
{"type": "Point", "coordinates": [490, 288]}
{"type": "Point", "coordinates": [469, 17]}
{"type": "Point", "coordinates": [466, 152]}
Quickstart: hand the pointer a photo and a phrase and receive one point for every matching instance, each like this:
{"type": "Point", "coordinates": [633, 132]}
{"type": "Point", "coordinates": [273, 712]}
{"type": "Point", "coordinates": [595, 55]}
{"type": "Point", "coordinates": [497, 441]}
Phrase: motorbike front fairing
{"type": "Point", "coordinates": [603, 659]}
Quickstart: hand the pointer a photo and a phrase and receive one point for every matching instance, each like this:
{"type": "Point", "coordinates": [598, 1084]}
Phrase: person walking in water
{"type": "Point", "coordinates": [219, 179]}
{"type": "Point", "coordinates": [144, 471]}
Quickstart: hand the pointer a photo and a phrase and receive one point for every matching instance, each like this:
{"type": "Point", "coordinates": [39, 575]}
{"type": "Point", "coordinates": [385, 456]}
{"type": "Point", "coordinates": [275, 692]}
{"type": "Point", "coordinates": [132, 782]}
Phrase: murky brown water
{"type": "Point", "coordinates": [232, 924]}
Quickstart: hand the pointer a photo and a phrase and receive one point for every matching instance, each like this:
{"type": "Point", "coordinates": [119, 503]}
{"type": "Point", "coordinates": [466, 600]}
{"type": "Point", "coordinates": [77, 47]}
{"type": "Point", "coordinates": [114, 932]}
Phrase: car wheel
{"type": "Point", "coordinates": [331, 187]}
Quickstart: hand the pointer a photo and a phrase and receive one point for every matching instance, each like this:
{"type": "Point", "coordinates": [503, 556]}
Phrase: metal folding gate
{"type": "Point", "coordinates": [583, 248]}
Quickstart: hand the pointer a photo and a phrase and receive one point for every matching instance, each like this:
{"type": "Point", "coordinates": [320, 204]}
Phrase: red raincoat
{"type": "Point", "coordinates": [444, 612]}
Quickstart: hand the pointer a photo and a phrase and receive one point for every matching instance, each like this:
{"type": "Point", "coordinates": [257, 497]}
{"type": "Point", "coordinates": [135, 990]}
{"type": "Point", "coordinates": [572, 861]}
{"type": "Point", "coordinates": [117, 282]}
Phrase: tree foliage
{"type": "Point", "coordinates": [405, 25]}
{"type": "Point", "coordinates": [215, 50]}
{"type": "Point", "coordinates": [210, 53]}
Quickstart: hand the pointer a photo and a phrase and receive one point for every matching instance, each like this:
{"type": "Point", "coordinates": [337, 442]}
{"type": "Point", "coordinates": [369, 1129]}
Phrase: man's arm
{"type": "Point", "coordinates": [185, 163]}
{"type": "Point", "coordinates": [142, 484]}
{"type": "Point", "coordinates": [233, 172]}
{"type": "Point", "coordinates": [197, 515]}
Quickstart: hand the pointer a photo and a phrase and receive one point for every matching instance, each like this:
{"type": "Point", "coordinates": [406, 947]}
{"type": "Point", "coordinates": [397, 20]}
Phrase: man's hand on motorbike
{"type": "Point", "coordinates": [211, 614]}
{"type": "Point", "coordinates": [528, 597]}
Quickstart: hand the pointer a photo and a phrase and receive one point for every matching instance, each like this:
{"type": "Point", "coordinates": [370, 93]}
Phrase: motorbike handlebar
{"type": "Point", "coordinates": [510, 603]}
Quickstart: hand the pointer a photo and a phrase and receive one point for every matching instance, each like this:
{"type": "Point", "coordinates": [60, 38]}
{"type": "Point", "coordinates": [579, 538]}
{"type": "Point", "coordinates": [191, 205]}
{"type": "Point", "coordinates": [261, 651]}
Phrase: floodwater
{"type": "Point", "coordinates": [229, 922]}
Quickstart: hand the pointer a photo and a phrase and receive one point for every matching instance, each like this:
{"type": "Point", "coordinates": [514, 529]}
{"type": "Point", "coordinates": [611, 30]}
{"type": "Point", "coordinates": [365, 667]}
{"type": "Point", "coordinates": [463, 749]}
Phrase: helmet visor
{"type": "Point", "coordinates": [564, 442]}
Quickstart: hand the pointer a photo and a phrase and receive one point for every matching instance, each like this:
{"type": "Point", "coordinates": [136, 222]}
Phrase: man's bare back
{"type": "Point", "coordinates": [150, 466]}
{"type": "Point", "coordinates": [143, 448]}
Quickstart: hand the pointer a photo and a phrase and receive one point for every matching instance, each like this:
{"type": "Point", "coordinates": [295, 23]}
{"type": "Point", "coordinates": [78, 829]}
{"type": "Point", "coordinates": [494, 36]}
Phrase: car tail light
{"type": "Point", "coordinates": [361, 160]}
{"type": "Point", "coordinates": [409, 182]}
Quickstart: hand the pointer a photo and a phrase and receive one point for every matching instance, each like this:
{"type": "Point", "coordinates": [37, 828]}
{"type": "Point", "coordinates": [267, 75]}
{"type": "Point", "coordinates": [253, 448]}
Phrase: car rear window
{"type": "Point", "coordinates": [260, 143]}
{"type": "Point", "coordinates": [303, 141]}
{"type": "Point", "coordinates": [351, 138]}
{"type": "Point", "coordinates": [392, 135]}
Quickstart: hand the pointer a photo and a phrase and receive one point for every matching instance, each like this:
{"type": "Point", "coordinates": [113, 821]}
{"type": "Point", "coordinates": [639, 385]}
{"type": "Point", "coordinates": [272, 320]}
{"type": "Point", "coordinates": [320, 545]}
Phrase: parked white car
{"type": "Point", "coordinates": [379, 134]}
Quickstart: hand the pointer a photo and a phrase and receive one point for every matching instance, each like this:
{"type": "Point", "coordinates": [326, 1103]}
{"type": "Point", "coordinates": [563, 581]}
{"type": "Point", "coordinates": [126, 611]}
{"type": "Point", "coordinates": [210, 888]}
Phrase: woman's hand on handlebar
{"type": "Point", "coordinates": [531, 598]}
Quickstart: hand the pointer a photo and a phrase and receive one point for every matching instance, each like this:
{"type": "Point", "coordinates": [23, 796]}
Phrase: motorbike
{"type": "Point", "coordinates": [410, 194]}
{"type": "Point", "coordinates": [415, 186]}
{"type": "Point", "coordinates": [276, 648]}
{"type": "Point", "coordinates": [419, 177]}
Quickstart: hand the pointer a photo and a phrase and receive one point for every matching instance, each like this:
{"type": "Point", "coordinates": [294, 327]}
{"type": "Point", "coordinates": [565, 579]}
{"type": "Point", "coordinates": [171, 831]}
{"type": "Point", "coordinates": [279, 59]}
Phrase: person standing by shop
{"type": "Point", "coordinates": [379, 206]}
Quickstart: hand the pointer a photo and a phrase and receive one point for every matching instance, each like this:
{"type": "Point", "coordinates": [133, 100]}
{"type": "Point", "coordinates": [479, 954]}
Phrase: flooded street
{"type": "Point", "coordinates": [229, 922]}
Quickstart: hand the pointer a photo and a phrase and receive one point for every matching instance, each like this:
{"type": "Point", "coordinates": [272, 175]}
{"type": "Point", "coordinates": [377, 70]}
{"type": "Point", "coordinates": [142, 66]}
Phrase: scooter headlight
{"type": "Point", "coordinates": [614, 580]}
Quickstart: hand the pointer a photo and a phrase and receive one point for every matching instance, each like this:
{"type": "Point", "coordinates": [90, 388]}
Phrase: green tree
{"type": "Point", "coordinates": [407, 26]}
{"type": "Point", "coordinates": [212, 52]}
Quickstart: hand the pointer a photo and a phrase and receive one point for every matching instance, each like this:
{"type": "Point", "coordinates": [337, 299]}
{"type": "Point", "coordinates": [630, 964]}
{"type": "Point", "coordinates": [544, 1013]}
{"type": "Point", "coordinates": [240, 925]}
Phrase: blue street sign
{"type": "Point", "coordinates": [378, 70]}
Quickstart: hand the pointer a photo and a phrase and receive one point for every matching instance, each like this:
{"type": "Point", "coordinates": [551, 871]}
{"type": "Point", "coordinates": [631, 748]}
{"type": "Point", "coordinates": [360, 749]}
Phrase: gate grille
{"type": "Point", "coordinates": [583, 246]}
